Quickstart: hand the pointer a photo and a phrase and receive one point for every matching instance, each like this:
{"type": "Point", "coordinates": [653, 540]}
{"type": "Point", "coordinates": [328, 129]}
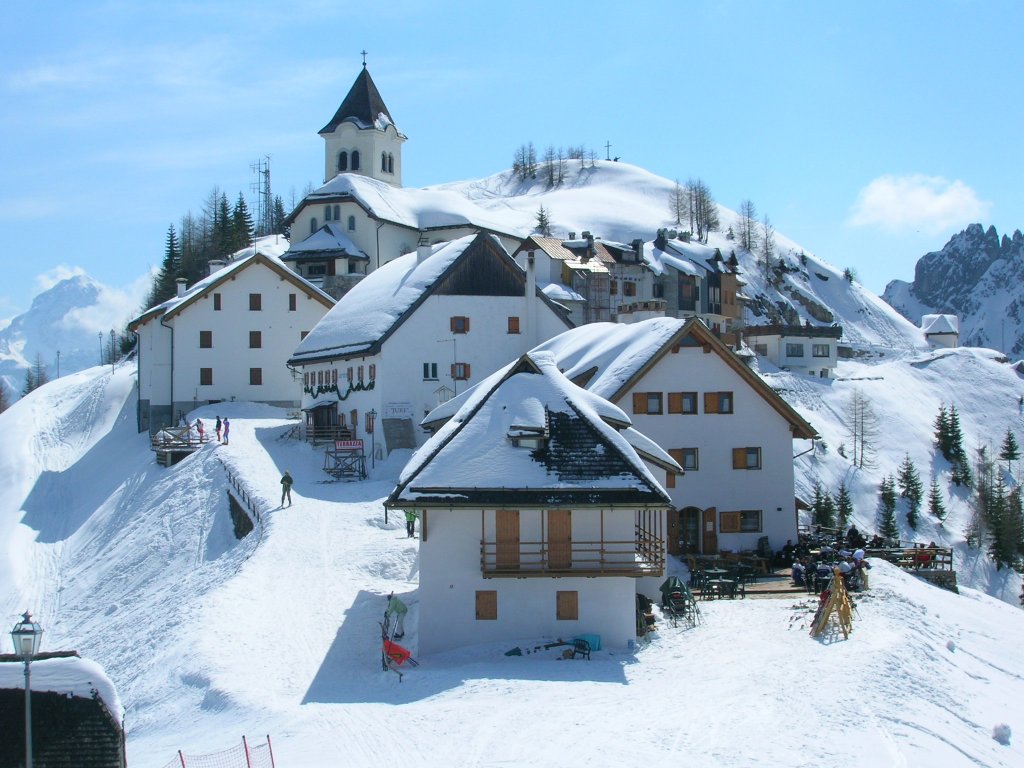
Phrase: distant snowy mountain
{"type": "Point", "coordinates": [977, 276]}
{"type": "Point", "coordinates": [621, 202]}
{"type": "Point", "coordinates": [65, 318]}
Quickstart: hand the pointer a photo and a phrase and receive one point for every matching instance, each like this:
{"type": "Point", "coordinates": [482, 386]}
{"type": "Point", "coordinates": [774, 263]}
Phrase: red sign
{"type": "Point", "coordinates": [348, 445]}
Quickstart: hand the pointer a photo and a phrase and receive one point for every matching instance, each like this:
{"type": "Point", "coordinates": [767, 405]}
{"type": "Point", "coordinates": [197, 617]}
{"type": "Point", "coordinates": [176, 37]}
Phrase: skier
{"type": "Point", "coordinates": [218, 429]}
{"type": "Point", "coordinates": [396, 609]}
{"type": "Point", "coordinates": [410, 523]}
{"type": "Point", "coordinates": [199, 429]}
{"type": "Point", "coordinates": [286, 488]}
{"type": "Point", "coordinates": [227, 429]}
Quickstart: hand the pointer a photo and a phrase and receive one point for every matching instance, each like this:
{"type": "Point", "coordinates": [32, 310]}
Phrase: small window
{"type": "Point", "coordinates": [372, 372]}
{"type": "Point", "coordinates": [746, 458]}
{"type": "Point", "coordinates": [359, 374]}
{"type": "Point", "coordinates": [327, 213]}
{"type": "Point", "coordinates": [628, 288]}
{"type": "Point", "coordinates": [255, 302]}
{"type": "Point", "coordinates": [255, 376]}
{"type": "Point", "coordinates": [750, 521]}
{"type": "Point", "coordinates": [686, 458]}
{"type": "Point", "coordinates": [658, 291]}
{"type": "Point", "coordinates": [718, 402]}
{"type": "Point", "coordinates": [337, 213]}
{"type": "Point", "coordinates": [682, 402]}
{"type": "Point", "coordinates": [486, 605]}
{"type": "Point", "coordinates": [349, 374]}
{"type": "Point", "coordinates": [430, 371]}
{"type": "Point", "coordinates": [646, 402]}
{"type": "Point", "coordinates": [351, 223]}
{"type": "Point", "coordinates": [384, 162]}
{"type": "Point", "coordinates": [794, 350]}
{"type": "Point", "coordinates": [216, 302]}
{"type": "Point", "coordinates": [513, 325]}
{"type": "Point", "coordinates": [460, 371]}
{"type": "Point", "coordinates": [654, 402]}
{"type": "Point", "coordinates": [206, 377]}
{"type": "Point", "coordinates": [761, 350]}
{"type": "Point", "coordinates": [313, 225]}
{"type": "Point", "coordinates": [292, 302]}
{"type": "Point", "coordinates": [334, 376]}
{"type": "Point", "coordinates": [391, 163]}
{"type": "Point", "coordinates": [460, 324]}
{"type": "Point", "coordinates": [342, 161]}
{"type": "Point", "coordinates": [614, 289]}
{"type": "Point", "coordinates": [316, 270]}
{"type": "Point", "coordinates": [567, 605]}
{"type": "Point", "coordinates": [820, 350]}
{"type": "Point", "coordinates": [355, 159]}
{"type": "Point", "coordinates": [206, 339]}
{"type": "Point", "coordinates": [319, 378]}
{"type": "Point", "coordinates": [255, 339]}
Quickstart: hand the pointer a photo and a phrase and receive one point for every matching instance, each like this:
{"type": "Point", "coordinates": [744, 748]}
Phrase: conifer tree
{"type": "Point", "coordinates": [543, 221]}
{"type": "Point", "coordinates": [1003, 543]}
{"type": "Point", "coordinates": [936, 508]}
{"type": "Point", "coordinates": [1009, 451]}
{"type": "Point", "coordinates": [887, 525]}
{"type": "Point", "coordinates": [911, 489]}
{"type": "Point", "coordinates": [277, 217]}
{"type": "Point", "coordinates": [958, 456]}
{"type": "Point", "coordinates": [844, 506]}
{"type": "Point", "coordinates": [36, 375]}
{"type": "Point", "coordinates": [241, 226]}
{"type": "Point", "coordinates": [942, 443]}
{"type": "Point", "coordinates": [164, 285]}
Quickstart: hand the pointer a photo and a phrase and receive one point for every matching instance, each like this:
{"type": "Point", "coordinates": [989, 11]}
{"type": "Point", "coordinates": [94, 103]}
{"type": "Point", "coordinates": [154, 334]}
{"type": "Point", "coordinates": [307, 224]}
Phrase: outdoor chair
{"type": "Point", "coordinates": [581, 647]}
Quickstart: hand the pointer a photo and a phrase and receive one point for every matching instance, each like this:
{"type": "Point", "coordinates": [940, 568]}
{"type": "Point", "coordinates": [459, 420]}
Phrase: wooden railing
{"type": "Point", "coordinates": [644, 556]}
{"type": "Point", "coordinates": [177, 438]}
{"type": "Point", "coordinates": [917, 558]}
{"type": "Point", "coordinates": [325, 434]}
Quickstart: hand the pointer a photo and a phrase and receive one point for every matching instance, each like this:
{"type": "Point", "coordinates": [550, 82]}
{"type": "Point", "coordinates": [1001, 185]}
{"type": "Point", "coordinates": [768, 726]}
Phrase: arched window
{"type": "Point", "coordinates": [391, 163]}
{"type": "Point", "coordinates": [342, 161]}
{"type": "Point", "coordinates": [327, 213]}
{"type": "Point", "coordinates": [384, 161]}
{"type": "Point", "coordinates": [351, 223]}
{"type": "Point", "coordinates": [337, 213]}
{"type": "Point", "coordinates": [355, 159]}
{"type": "Point", "coordinates": [312, 225]}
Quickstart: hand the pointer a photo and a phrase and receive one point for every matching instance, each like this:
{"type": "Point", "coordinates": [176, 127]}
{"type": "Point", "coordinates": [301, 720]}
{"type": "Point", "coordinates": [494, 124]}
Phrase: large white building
{"type": "Point", "coordinates": [414, 333]}
{"type": "Point", "coordinates": [537, 514]}
{"type": "Point", "coordinates": [225, 338]}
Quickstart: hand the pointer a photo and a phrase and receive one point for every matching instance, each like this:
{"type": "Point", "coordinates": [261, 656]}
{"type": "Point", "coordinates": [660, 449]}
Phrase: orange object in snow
{"type": "Point", "coordinates": [396, 653]}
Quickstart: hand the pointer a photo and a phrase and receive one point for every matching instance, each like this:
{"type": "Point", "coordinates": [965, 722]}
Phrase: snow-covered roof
{"type": "Point", "coordinates": [71, 675]}
{"type": "Point", "coordinates": [940, 324]}
{"type": "Point", "coordinates": [474, 460]}
{"type": "Point", "coordinates": [559, 292]}
{"type": "Point", "coordinates": [329, 238]}
{"type": "Point", "coordinates": [176, 304]}
{"type": "Point", "coordinates": [660, 261]}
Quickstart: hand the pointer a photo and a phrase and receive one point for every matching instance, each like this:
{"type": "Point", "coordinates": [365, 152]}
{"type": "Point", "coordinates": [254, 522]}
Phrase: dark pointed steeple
{"type": "Point", "coordinates": [362, 105]}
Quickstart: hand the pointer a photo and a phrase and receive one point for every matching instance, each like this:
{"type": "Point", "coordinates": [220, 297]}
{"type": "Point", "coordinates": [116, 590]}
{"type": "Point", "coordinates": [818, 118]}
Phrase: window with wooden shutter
{"type": "Point", "coordinates": [513, 324]}
{"type": "Point", "coordinates": [205, 339]}
{"type": "Point", "coordinates": [718, 402]}
{"type": "Point", "coordinates": [373, 372]}
{"type": "Point", "coordinates": [206, 377]}
{"type": "Point", "coordinates": [459, 324]}
{"type": "Point", "coordinates": [460, 371]}
{"type": "Point", "coordinates": [739, 458]}
{"type": "Point", "coordinates": [216, 302]}
{"type": "Point", "coordinates": [256, 376]}
{"type": "Point", "coordinates": [292, 302]}
{"type": "Point", "coordinates": [486, 605]}
{"type": "Point", "coordinates": [710, 402]}
{"type": "Point", "coordinates": [675, 402]}
{"type": "Point", "coordinates": [255, 339]}
{"type": "Point", "coordinates": [639, 402]}
{"type": "Point", "coordinates": [255, 302]}
{"type": "Point", "coordinates": [729, 522]}
{"type": "Point", "coordinates": [567, 605]}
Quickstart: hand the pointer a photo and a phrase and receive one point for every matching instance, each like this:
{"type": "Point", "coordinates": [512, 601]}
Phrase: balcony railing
{"type": "Point", "coordinates": [325, 434]}
{"type": "Point", "coordinates": [643, 556]}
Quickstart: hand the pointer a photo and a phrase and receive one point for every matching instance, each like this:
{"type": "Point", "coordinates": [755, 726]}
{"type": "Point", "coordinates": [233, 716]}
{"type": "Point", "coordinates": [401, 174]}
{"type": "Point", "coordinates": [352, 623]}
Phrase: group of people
{"type": "Point", "coordinates": [223, 428]}
{"type": "Point", "coordinates": [815, 574]}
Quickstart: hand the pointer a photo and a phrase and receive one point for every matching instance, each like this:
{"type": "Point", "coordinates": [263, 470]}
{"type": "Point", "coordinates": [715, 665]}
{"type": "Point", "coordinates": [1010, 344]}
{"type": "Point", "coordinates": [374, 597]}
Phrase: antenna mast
{"type": "Point", "coordinates": [263, 207]}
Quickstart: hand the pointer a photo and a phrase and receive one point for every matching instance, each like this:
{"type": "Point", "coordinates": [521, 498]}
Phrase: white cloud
{"type": "Point", "coordinates": [113, 307]}
{"type": "Point", "coordinates": [50, 278]}
{"type": "Point", "coordinates": [928, 203]}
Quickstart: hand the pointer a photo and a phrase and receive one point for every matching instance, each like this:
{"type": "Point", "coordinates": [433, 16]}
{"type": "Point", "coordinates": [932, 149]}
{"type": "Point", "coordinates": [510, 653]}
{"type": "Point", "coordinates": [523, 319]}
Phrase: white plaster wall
{"type": "Point", "coordinates": [370, 142]}
{"type": "Point", "coordinates": [753, 423]}
{"type": "Point", "coordinates": [154, 362]}
{"type": "Point", "coordinates": [450, 576]}
{"type": "Point", "coordinates": [230, 357]}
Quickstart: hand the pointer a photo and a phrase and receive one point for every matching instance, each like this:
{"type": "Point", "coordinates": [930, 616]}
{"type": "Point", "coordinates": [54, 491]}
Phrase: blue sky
{"type": "Point", "coordinates": [869, 132]}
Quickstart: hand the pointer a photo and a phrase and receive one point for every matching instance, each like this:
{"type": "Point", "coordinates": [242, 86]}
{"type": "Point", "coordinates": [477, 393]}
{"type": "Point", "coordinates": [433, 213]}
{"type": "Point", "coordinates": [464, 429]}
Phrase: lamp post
{"type": "Point", "coordinates": [26, 635]}
{"type": "Point", "coordinates": [371, 417]}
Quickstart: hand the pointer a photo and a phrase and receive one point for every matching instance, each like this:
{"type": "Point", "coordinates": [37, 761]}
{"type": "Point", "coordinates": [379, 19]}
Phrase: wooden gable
{"type": "Point", "coordinates": [483, 271]}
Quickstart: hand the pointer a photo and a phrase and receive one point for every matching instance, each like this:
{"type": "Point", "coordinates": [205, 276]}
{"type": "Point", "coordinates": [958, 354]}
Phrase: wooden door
{"type": "Point", "coordinates": [559, 539]}
{"type": "Point", "coordinates": [710, 531]}
{"type": "Point", "coordinates": [506, 528]}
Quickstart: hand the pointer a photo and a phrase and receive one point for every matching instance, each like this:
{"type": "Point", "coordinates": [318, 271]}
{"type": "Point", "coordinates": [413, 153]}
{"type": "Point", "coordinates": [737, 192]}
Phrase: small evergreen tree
{"type": "Point", "coordinates": [1009, 450]}
{"type": "Point", "coordinates": [958, 456]}
{"type": "Point", "coordinates": [3, 398]}
{"type": "Point", "coordinates": [941, 433]}
{"type": "Point", "coordinates": [36, 375]}
{"type": "Point", "coordinates": [936, 508]}
{"type": "Point", "coordinates": [887, 525]}
{"type": "Point", "coordinates": [1003, 543]}
{"type": "Point", "coordinates": [241, 230]}
{"type": "Point", "coordinates": [844, 506]}
{"type": "Point", "coordinates": [911, 489]}
{"type": "Point", "coordinates": [543, 221]}
{"type": "Point", "coordinates": [277, 217]}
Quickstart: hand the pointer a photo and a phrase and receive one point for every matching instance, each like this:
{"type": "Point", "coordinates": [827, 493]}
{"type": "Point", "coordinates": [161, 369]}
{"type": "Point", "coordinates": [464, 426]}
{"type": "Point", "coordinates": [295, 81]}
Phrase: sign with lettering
{"type": "Point", "coordinates": [397, 411]}
{"type": "Point", "coordinates": [348, 445]}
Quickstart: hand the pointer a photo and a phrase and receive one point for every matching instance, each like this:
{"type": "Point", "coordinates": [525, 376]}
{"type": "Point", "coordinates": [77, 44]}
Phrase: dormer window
{"type": "Point", "coordinates": [528, 437]}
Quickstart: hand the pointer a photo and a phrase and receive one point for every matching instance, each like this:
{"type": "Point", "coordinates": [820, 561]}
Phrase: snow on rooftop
{"type": "Point", "coordinates": [369, 311]}
{"type": "Point", "coordinates": [68, 675]}
{"type": "Point", "coordinates": [329, 237]}
{"type": "Point", "coordinates": [940, 324]}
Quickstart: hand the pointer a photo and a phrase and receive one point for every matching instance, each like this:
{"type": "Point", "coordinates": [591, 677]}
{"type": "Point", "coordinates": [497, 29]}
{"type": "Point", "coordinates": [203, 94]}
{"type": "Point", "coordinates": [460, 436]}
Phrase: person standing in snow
{"type": "Point", "coordinates": [397, 609]}
{"type": "Point", "coordinates": [200, 430]}
{"type": "Point", "coordinates": [219, 425]}
{"type": "Point", "coordinates": [227, 430]}
{"type": "Point", "coordinates": [410, 523]}
{"type": "Point", "coordinates": [286, 488]}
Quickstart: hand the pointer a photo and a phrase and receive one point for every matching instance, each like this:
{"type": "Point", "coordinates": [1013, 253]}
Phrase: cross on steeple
{"type": "Point", "coordinates": [363, 52]}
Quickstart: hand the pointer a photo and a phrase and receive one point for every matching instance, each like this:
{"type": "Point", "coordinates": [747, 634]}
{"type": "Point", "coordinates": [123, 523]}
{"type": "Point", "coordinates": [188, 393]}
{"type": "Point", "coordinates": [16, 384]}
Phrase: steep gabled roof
{"type": "Point", "coordinates": [933, 324]}
{"type": "Point", "coordinates": [329, 240]}
{"type": "Point", "coordinates": [474, 461]}
{"type": "Point", "coordinates": [609, 358]}
{"type": "Point", "coordinates": [178, 304]}
{"type": "Point", "coordinates": [363, 106]}
{"type": "Point", "coordinates": [382, 301]}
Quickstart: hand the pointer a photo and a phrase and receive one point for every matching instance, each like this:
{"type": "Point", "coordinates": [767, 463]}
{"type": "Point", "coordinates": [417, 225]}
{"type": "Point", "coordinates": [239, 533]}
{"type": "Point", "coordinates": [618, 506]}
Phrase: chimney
{"type": "Point", "coordinates": [423, 249]}
{"type": "Point", "coordinates": [215, 265]}
{"type": "Point", "coordinates": [659, 241]}
{"type": "Point", "coordinates": [638, 249]}
{"type": "Point", "coordinates": [182, 282]}
{"type": "Point", "coordinates": [591, 251]}
{"type": "Point", "coordinates": [572, 236]}
{"type": "Point", "coordinates": [531, 300]}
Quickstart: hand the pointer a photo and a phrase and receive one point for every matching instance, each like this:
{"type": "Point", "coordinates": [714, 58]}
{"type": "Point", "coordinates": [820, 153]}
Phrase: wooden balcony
{"type": "Point", "coordinates": [312, 433]}
{"type": "Point", "coordinates": [643, 556]}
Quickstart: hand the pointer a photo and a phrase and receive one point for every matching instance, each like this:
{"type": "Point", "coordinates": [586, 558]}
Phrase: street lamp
{"type": "Point", "coordinates": [26, 635]}
{"type": "Point", "coordinates": [371, 417]}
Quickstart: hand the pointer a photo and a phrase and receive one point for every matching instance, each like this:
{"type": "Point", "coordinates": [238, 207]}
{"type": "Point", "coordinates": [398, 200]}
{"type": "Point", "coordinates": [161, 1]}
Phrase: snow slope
{"type": "Point", "coordinates": [207, 637]}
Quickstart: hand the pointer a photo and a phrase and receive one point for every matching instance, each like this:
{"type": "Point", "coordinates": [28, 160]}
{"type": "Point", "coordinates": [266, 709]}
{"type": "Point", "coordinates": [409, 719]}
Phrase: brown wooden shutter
{"type": "Point", "coordinates": [729, 522]}
{"type": "Point", "coordinates": [670, 479]}
{"type": "Point", "coordinates": [451, 325]}
{"type": "Point", "coordinates": [486, 605]}
{"type": "Point", "coordinates": [710, 402]}
{"type": "Point", "coordinates": [739, 458]}
{"type": "Point", "coordinates": [466, 326]}
{"type": "Point", "coordinates": [639, 402]}
{"type": "Point", "coordinates": [675, 402]}
{"type": "Point", "coordinates": [466, 369]}
{"type": "Point", "coordinates": [567, 605]}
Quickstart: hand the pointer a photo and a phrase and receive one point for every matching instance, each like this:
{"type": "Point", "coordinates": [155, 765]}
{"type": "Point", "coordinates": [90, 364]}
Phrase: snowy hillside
{"type": "Point", "coordinates": [977, 276]}
{"type": "Point", "coordinates": [207, 637]}
{"type": "Point", "coordinates": [621, 202]}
